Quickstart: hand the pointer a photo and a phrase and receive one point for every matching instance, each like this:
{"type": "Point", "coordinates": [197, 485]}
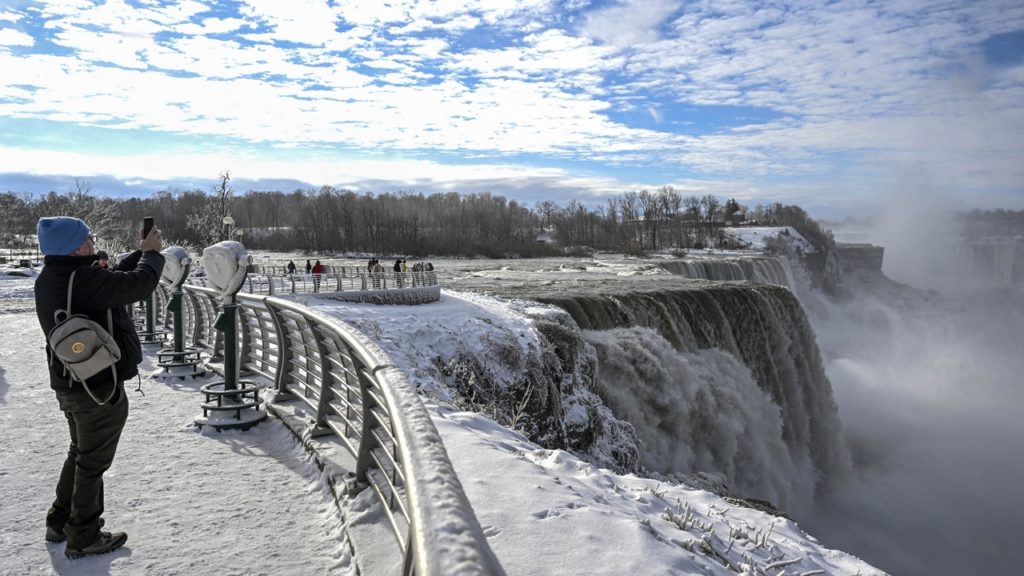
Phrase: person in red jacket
{"type": "Point", "coordinates": [318, 270]}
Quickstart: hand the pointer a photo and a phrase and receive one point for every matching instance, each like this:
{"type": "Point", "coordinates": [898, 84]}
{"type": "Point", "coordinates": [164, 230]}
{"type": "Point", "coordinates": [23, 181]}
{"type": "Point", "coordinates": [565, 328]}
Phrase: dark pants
{"type": "Point", "coordinates": [95, 431]}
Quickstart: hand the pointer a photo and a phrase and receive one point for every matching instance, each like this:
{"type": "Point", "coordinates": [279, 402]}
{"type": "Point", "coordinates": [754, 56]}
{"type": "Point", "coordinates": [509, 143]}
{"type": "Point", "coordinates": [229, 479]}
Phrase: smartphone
{"type": "Point", "coordinates": [147, 225]}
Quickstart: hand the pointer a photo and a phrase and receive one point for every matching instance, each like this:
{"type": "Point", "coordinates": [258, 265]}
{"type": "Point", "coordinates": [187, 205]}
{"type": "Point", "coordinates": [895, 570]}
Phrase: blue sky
{"type": "Point", "coordinates": [823, 104]}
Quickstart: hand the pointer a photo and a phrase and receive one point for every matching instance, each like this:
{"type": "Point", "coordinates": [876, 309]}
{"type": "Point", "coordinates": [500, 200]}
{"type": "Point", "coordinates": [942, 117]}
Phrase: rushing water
{"type": "Point", "coordinates": [720, 376]}
{"type": "Point", "coordinates": [732, 368]}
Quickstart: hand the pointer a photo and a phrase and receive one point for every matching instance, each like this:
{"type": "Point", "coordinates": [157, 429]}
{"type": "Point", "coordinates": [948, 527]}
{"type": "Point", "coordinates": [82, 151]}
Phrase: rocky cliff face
{"type": "Point", "coordinates": [546, 392]}
{"type": "Point", "coordinates": [860, 257]}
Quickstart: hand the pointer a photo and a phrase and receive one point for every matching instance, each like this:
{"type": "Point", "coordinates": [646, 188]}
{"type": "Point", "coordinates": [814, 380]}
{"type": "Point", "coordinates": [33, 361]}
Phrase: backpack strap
{"type": "Point", "coordinates": [67, 310]}
{"type": "Point", "coordinates": [71, 282]}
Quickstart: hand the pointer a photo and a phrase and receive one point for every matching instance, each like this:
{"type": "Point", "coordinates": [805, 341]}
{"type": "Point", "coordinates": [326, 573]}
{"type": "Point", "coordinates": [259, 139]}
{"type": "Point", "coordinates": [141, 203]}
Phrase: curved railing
{"type": "Point", "coordinates": [340, 279]}
{"type": "Point", "coordinates": [354, 391]}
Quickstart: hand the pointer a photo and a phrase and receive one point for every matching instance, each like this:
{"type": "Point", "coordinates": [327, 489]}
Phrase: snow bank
{"type": "Point", "coordinates": [757, 236]}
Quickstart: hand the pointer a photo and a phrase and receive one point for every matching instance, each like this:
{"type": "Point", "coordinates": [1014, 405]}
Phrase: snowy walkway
{"type": "Point", "coordinates": [192, 501]}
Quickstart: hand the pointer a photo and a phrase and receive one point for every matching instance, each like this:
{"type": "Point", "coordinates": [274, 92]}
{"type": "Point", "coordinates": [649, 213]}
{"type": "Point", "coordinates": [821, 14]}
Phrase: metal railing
{"type": "Point", "coordinates": [354, 391]}
{"type": "Point", "coordinates": [340, 280]}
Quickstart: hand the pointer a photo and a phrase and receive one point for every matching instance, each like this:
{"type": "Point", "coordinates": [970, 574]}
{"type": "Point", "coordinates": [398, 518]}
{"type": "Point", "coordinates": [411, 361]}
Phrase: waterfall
{"type": "Point", "coordinates": [764, 270]}
{"type": "Point", "coordinates": [722, 378]}
{"type": "Point", "coordinates": [997, 262]}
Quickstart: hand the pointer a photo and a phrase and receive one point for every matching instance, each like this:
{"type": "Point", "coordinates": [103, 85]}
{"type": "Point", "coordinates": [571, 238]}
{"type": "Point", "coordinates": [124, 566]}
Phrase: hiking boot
{"type": "Point", "coordinates": [107, 542]}
{"type": "Point", "coordinates": [55, 537]}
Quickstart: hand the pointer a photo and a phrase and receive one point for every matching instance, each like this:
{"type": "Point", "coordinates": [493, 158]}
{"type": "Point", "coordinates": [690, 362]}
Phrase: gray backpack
{"type": "Point", "coordinates": [83, 346]}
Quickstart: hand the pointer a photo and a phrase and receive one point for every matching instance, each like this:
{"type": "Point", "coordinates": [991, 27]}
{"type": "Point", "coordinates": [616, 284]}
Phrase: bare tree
{"type": "Point", "coordinates": [205, 222]}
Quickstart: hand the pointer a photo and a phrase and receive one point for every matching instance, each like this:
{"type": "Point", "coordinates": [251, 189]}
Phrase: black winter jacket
{"type": "Point", "coordinates": [96, 290]}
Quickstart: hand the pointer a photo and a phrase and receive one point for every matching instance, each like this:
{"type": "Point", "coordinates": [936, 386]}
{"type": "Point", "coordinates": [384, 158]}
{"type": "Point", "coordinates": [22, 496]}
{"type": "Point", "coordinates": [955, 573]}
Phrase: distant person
{"type": "Point", "coordinates": [95, 409]}
{"type": "Point", "coordinates": [291, 267]}
{"type": "Point", "coordinates": [103, 260]}
{"type": "Point", "coordinates": [398, 272]}
{"type": "Point", "coordinates": [309, 267]}
{"type": "Point", "coordinates": [317, 270]}
{"type": "Point", "coordinates": [377, 273]}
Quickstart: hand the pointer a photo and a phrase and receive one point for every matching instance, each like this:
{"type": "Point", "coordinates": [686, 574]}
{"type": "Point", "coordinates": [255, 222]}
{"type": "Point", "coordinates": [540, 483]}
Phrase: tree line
{"type": "Point", "coordinates": [329, 220]}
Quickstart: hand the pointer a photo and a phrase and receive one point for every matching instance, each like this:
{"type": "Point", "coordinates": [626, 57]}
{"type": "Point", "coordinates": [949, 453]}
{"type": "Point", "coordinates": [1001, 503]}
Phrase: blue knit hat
{"type": "Point", "coordinates": [61, 235]}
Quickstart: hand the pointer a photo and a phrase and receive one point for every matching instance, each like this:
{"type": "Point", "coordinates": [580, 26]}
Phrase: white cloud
{"type": "Point", "coordinates": [310, 22]}
{"type": "Point", "coordinates": [629, 22]}
{"type": "Point", "coordinates": [11, 37]}
{"type": "Point", "coordinates": [211, 26]}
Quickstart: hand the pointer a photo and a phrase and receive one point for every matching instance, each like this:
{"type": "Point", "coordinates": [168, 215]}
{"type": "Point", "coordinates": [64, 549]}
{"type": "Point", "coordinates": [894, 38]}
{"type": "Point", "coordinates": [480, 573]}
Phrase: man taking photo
{"type": "Point", "coordinates": [76, 514]}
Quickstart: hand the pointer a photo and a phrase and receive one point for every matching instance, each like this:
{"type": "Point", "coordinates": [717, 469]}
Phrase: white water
{"type": "Point", "coordinates": [700, 411]}
{"type": "Point", "coordinates": [720, 378]}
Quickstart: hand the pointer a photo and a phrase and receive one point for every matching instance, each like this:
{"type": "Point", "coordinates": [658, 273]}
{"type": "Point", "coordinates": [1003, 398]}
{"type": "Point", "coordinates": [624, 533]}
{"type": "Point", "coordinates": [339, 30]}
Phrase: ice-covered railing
{"type": "Point", "coordinates": [338, 279]}
{"type": "Point", "coordinates": [354, 391]}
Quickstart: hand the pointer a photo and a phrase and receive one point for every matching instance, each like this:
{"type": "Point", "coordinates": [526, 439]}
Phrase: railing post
{"type": "Point", "coordinates": [199, 322]}
{"type": "Point", "coordinates": [366, 443]}
{"type": "Point", "coordinates": [327, 387]}
{"type": "Point", "coordinates": [284, 352]}
{"type": "Point", "coordinates": [408, 566]}
{"type": "Point", "coordinates": [245, 347]}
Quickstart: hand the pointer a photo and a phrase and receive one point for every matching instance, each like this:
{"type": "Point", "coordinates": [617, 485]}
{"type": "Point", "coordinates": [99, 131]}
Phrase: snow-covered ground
{"type": "Point", "coordinates": [252, 503]}
{"type": "Point", "coordinates": [191, 501]}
